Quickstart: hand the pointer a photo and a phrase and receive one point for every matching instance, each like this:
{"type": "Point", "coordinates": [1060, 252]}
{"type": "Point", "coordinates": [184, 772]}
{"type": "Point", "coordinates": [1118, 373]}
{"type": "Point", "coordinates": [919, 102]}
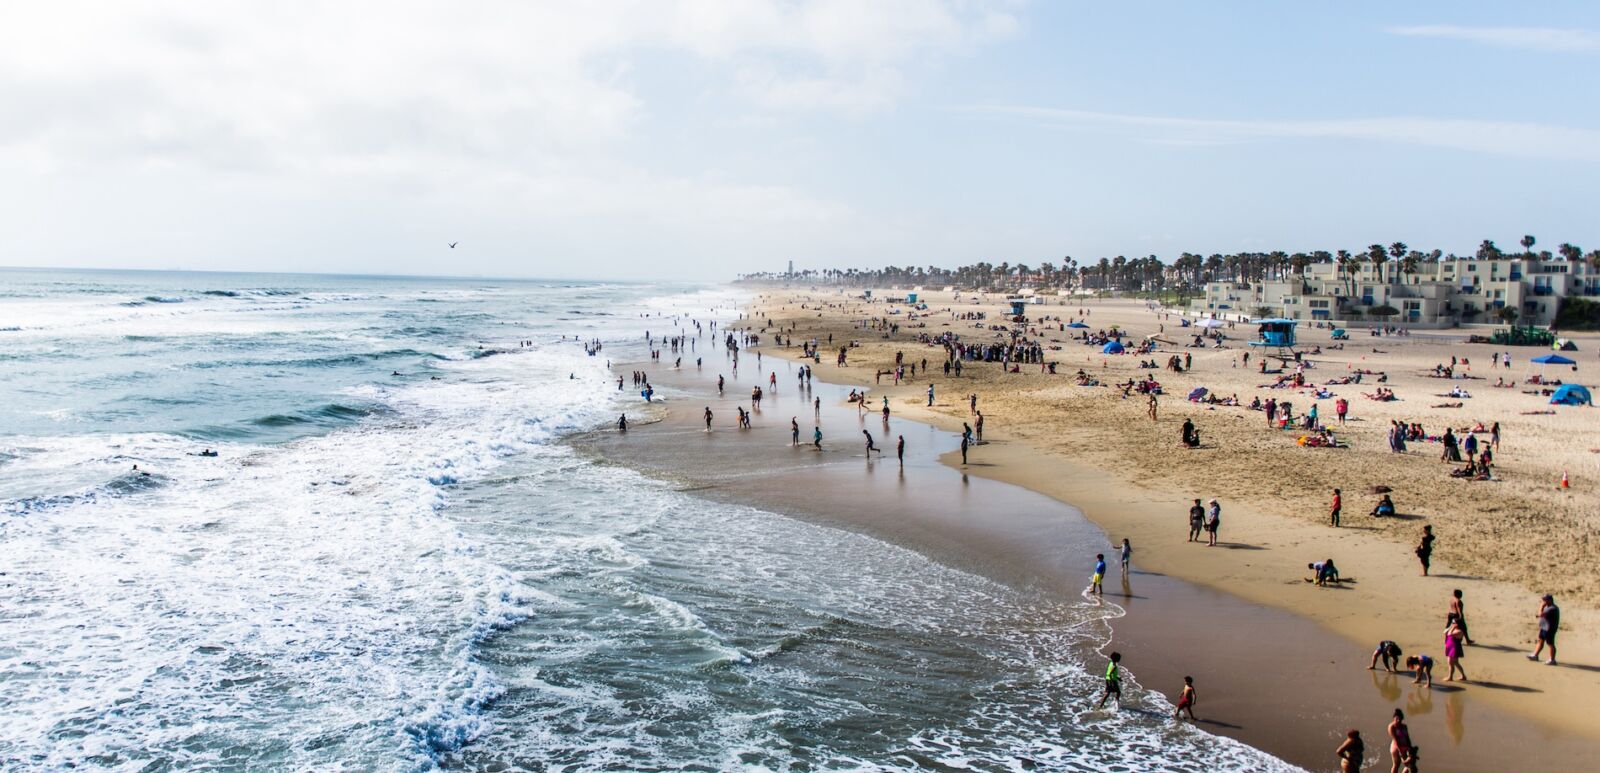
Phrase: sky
{"type": "Point", "coordinates": [668, 139]}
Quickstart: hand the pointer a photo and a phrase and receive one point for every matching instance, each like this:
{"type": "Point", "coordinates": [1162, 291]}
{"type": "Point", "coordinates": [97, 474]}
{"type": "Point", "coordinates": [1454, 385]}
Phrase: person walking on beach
{"type": "Point", "coordinates": [1549, 623]}
{"type": "Point", "coordinates": [1400, 749]}
{"type": "Point", "coordinates": [1213, 522]}
{"type": "Point", "coordinates": [1127, 556]}
{"type": "Point", "coordinates": [708, 418]}
{"type": "Point", "coordinates": [1458, 607]}
{"type": "Point", "coordinates": [1187, 699]}
{"type": "Point", "coordinates": [870, 445]}
{"type": "Point", "coordinates": [1113, 681]}
{"type": "Point", "coordinates": [816, 437]}
{"type": "Point", "coordinates": [1334, 508]}
{"type": "Point", "coordinates": [977, 426]}
{"type": "Point", "coordinates": [972, 403]}
{"type": "Point", "coordinates": [964, 443]}
{"type": "Point", "coordinates": [1151, 407]}
{"type": "Point", "coordinates": [1424, 550]}
{"type": "Point", "coordinates": [900, 449]}
{"type": "Point", "coordinates": [720, 382]}
{"type": "Point", "coordinates": [930, 395]}
{"type": "Point", "coordinates": [1351, 753]}
{"type": "Point", "coordinates": [1197, 520]}
{"type": "Point", "coordinates": [816, 404]}
{"type": "Point", "coordinates": [1452, 648]}
{"type": "Point", "coordinates": [1095, 584]}
{"type": "Point", "coordinates": [794, 431]}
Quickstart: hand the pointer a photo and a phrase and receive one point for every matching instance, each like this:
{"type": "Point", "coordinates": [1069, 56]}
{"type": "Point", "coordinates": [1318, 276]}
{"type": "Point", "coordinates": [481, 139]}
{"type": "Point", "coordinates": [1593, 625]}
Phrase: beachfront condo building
{"type": "Point", "coordinates": [1525, 289]}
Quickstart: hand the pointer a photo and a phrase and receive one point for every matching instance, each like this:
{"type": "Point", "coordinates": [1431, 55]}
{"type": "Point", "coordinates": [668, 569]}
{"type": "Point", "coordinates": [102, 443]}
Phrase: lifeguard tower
{"type": "Point", "coordinates": [1019, 307]}
{"type": "Point", "coordinates": [1276, 334]}
{"type": "Point", "coordinates": [911, 297]}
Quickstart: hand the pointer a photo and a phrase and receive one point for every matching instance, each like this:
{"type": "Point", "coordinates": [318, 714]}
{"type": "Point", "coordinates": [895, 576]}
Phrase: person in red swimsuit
{"type": "Point", "coordinates": [1187, 700]}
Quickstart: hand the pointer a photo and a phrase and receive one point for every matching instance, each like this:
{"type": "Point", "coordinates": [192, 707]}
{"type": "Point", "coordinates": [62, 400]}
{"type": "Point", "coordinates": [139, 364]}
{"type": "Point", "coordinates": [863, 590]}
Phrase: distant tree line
{"type": "Point", "coordinates": [1151, 274]}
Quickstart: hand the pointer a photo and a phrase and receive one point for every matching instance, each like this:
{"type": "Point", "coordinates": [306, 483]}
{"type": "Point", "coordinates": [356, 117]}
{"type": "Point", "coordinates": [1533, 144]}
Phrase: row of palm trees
{"type": "Point", "coordinates": [1151, 274]}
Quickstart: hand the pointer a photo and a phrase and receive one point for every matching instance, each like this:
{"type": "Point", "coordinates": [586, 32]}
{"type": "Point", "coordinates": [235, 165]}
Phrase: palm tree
{"type": "Point", "coordinates": [1570, 252]}
{"type": "Point", "coordinates": [1378, 256]}
{"type": "Point", "coordinates": [1347, 268]}
{"type": "Point", "coordinates": [1487, 251]}
{"type": "Point", "coordinates": [1527, 244]}
{"type": "Point", "coordinates": [1397, 251]}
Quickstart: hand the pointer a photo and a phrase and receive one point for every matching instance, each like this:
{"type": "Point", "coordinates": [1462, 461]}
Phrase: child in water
{"type": "Point", "coordinates": [1187, 699]}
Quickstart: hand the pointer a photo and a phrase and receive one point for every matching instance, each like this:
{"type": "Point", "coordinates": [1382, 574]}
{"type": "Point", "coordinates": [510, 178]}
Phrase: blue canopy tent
{"type": "Point", "coordinates": [1112, 347]}
{"type": "Point", "coordinates": [1079, 325]}
{"type": "Point", "coordinates": [1571, 394]}
{"type": "Point", "coordinates": [1551, 359]}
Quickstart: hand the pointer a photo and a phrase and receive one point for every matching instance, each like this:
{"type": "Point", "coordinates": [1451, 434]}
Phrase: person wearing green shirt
{"type": "Point", "coordinates": [1113, 681]}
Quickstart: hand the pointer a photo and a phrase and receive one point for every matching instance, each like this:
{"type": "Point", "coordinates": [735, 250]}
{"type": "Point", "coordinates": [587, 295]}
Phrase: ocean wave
{"type": "Point", "coordinates": [322, 414]}
{"type": "Point", "coordinates": [127, 484]}
{"type": "Point", "coordinates": [329, 361]}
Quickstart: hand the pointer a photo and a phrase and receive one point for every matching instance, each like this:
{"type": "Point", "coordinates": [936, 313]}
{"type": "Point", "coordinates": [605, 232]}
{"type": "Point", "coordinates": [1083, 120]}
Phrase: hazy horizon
{"type": "Point", "coordinates": [700, 140]}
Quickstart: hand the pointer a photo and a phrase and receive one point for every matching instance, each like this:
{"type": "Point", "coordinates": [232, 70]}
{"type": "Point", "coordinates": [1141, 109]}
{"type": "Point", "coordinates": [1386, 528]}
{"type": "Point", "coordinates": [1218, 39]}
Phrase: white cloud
{"type": "Point", "coordinates": [512, 109]}
{"type": "Point", "coordinates": [1533, 38]}
{"type": "Point", "coordinates": [1496, 137]}
{"type": "Point", "coordinates": [283, 83]}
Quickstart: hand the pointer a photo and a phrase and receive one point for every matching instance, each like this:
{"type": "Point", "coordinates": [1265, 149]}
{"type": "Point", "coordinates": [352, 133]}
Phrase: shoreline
{"type": "Point", "coordinates": [1300, 728]}
{"type": "Point", "coordinates": [1387, 604]}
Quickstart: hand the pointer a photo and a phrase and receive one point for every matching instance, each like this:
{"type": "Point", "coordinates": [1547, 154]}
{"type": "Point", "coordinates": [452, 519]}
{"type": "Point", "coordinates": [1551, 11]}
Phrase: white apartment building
{"type": "Point", "coordinates": [1442, 294]}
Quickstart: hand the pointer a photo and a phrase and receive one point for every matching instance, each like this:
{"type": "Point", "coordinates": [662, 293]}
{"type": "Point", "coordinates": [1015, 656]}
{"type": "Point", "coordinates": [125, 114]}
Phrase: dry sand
{"type": "Point", "coordinates": [1292, 701]}
{"type": "Point", "coordinates": [1503, 542]}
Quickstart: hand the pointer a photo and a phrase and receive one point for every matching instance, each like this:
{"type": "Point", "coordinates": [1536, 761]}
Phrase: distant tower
{"type": "Point", "coordinates": [791, 268]}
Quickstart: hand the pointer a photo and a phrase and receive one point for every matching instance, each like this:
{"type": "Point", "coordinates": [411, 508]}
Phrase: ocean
{"type": "Point", "coordinates": [394, 563]}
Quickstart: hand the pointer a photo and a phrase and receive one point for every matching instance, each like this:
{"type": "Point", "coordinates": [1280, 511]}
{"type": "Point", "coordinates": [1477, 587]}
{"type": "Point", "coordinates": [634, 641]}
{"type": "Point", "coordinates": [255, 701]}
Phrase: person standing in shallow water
{"type": "Point", "coordinates": [1351, 753]}
{"type": "Point", "coordinates": [900, 449]}
{"type": "Point", "coordinates": [1187, 699]}
{"type": "Point", "coordinates": [1113, 681]}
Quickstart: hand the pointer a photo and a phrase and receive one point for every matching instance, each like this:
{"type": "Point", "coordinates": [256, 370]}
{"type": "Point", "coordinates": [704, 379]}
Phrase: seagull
{"type": "Point", "coordinates": [453, 245]}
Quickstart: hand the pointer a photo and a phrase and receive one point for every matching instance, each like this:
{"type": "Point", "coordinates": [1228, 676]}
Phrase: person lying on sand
{"type": "Point", "coordinates": [1447, 405]}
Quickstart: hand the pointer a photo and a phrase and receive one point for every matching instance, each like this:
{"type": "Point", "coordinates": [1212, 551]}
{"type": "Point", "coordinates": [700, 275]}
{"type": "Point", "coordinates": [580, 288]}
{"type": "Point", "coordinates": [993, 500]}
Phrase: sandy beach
{"type": "Point", "coordinates": [1503, 542]}
{"type": "Point", "coordinates": [1027, 535]}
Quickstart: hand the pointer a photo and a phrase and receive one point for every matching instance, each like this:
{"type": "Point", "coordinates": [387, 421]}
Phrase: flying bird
{"type": "Point", "coordinates": [453, 245]}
